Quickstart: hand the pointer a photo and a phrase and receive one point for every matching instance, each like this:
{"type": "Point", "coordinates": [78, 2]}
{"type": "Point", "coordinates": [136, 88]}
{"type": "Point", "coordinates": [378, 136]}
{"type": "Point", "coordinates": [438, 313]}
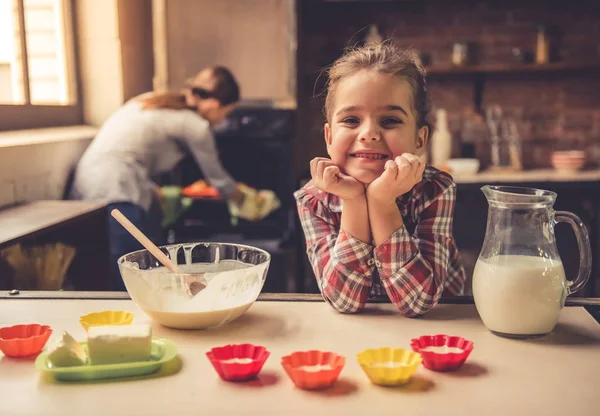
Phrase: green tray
{"type": "Point", "coordinates": [162, 351]}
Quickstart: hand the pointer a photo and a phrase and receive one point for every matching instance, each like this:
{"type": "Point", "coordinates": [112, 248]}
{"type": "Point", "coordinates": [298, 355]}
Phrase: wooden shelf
{"type": "Point", "coordinates": [494, 68]}
{"type": "Point", "coordinates": [511, 68]}
{"type": "Point", "coordinates": [479, 72]}
{"type": "Point", "coordinates": [530, 176]}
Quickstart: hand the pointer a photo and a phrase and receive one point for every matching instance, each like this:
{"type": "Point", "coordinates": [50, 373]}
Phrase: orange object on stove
{"type": "Point", "coordinates": [200, 189]}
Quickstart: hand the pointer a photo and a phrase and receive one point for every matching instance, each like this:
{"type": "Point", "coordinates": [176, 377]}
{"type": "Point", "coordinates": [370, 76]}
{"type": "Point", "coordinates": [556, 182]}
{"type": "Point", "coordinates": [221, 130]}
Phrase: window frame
{"type": "Point", "coordinates": [26, 115]}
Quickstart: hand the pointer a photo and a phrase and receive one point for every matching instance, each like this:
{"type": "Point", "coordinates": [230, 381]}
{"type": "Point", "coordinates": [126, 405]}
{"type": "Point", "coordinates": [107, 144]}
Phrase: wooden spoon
{"type": "Point", "coordinates": [192, 285]}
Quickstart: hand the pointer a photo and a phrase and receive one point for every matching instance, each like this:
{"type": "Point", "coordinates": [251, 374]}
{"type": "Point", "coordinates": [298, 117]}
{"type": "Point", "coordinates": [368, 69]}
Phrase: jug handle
{"type": "Point", "coordinates": [585, 250]}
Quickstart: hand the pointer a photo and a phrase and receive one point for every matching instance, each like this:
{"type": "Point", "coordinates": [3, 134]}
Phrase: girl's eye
{"type": "Point", "coordinates": [350, 120]}
{"type": "Point", "coordinates": [390, 121]}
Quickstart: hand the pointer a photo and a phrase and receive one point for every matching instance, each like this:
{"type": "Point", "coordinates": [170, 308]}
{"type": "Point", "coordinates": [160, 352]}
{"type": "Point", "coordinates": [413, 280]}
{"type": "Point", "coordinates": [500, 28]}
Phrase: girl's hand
{"type": "Point", "coordinates": [327, 177]}
{"type": "Point", "coordinates": [399, 177]}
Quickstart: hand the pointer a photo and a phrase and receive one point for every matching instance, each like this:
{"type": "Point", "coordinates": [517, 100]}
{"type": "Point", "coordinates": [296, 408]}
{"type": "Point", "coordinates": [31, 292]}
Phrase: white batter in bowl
{"type": "Point", "coordinates": [234, 275]}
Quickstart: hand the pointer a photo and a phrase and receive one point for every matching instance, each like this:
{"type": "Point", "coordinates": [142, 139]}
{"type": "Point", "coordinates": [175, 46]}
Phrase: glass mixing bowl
{"type": "Point", "coordinates": [234, 276]}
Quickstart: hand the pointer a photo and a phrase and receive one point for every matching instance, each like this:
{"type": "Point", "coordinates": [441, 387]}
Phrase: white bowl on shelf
{"type": "Point", "coordinates": [462, 167]}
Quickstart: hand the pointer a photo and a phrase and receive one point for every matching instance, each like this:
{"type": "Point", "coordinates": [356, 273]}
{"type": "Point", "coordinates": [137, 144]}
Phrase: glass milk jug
{"type": "Point", "coordinates": [519, 284]}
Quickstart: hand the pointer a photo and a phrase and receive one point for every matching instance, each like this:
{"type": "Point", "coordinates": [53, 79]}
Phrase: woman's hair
{"type": "Point", "coordinates": [384, 58]}
{"type": "Point", "coordinates": [168, 100]}
{"type": "Point", "coordinates": [226, 91]}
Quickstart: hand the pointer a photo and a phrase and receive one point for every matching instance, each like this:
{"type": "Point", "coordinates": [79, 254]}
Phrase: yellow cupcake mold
{"type": "Point", "coordinates": [106, 318]}
{"type": "Point", "coordinates": [389, 366]}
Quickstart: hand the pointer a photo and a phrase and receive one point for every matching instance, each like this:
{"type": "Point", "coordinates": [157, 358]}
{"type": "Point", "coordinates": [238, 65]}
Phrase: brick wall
{"type": "Point", "coordinates": [554, 110]}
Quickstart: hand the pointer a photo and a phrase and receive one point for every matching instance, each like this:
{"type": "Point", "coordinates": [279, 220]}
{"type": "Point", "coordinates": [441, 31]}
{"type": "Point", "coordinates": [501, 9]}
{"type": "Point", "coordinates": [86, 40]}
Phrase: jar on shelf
{"type": "Point", "coordinates": [461, 53]}
{"type": "Point", "coordinates": [542, 50]}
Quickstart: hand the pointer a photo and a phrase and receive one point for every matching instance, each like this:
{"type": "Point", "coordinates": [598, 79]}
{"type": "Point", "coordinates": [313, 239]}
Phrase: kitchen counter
{"type": "Point", "coordinates": [32, 218]}
{"type": "Point", "coordinates": [538, 175]}
{"type": "Point", "coordinates": [555, 375]}
{"type": "Point", "coordinates": [80, 224]}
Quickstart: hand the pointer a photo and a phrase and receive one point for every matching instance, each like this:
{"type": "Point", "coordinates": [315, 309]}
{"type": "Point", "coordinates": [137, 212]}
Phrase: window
{"type": "Point", "coordinates": [37, 65]}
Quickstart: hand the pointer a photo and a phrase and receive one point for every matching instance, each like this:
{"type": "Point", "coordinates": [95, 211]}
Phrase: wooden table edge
{"type": "Point", "coordinates": [591, 305]}
{"type": "Point", "coordinates": [267, 297]}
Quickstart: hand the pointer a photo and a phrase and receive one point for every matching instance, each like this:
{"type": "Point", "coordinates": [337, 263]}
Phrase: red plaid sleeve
{"type": "Point", "coordinates": [416, 269]}
{"type": "Point", "coordinates": [343, 265]}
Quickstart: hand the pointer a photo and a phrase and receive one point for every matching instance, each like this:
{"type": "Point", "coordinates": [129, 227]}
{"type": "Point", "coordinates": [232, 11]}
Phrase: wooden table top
{"type": "Point", "coordinates": [555, 375]}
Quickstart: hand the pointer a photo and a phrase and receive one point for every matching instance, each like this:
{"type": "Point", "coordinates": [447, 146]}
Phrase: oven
{"type": "Point", "coordinates": [254, 146]}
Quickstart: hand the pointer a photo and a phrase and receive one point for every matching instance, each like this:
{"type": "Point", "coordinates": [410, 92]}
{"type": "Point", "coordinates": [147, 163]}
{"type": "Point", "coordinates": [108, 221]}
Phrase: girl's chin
{"type": "Point", "coordinates": [364, 177]}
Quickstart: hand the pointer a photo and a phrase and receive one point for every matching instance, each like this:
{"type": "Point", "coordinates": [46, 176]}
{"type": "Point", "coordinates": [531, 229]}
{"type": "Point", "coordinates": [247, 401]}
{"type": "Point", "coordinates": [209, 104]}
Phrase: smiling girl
{"type": "Point", "coordinates": [376, 218]}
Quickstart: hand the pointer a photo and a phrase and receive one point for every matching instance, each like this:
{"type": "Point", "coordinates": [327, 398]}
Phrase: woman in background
{"type": "Point", "coordinates": [146, 137]}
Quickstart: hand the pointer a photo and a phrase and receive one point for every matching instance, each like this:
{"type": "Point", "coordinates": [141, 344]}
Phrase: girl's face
{"type": "Point", "coordinates": [372, 121]}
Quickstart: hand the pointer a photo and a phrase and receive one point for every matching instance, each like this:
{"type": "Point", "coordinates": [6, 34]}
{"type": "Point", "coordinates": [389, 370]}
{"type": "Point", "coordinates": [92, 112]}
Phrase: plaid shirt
{"type": "Point", "coordinates": [414, 266]}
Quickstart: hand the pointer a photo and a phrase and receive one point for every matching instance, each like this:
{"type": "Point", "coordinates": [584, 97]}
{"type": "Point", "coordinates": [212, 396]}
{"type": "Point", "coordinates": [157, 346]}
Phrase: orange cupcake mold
{"type": "Point", "coordinates": [24, 340]}
{"type": "Point", "coordinates": [313, 369]}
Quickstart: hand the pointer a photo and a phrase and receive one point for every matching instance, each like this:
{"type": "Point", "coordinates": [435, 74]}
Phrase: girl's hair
{"type": "Point", "coordinates": [226, 91]}
{"type": "Point", "coordinates": [384, 58]}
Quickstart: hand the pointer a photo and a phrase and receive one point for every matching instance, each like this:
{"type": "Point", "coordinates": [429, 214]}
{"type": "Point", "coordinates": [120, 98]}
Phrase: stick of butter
{"type": "Point", "coordinates": [66, 352]}
{"type": "Point", "coordinates": [109, 344]}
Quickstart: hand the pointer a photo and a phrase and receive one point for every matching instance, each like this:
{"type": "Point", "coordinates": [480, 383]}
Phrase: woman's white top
{"type": "Point", "coordinates": [135, 145]}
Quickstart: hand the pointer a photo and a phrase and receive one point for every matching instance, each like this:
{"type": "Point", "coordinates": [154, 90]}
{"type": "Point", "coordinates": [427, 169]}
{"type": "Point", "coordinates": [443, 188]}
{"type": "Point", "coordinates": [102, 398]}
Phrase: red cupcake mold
{"type": "Point", "coordinates": [238, 362]}
{"type": "Point", "coordinates": [442, 352]}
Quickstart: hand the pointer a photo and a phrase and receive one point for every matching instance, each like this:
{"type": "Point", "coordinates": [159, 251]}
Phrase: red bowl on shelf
{"type": "Point", "coordinates": [313, 370]}
{"type": "Point", "coordinates": [24, 340]}
{"type": "Point", "coordinates": [442, 352]}
{"type": "Point", "coordinates": [238, 362]}
{"type": "Point", "coordinates": [568, 161]}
